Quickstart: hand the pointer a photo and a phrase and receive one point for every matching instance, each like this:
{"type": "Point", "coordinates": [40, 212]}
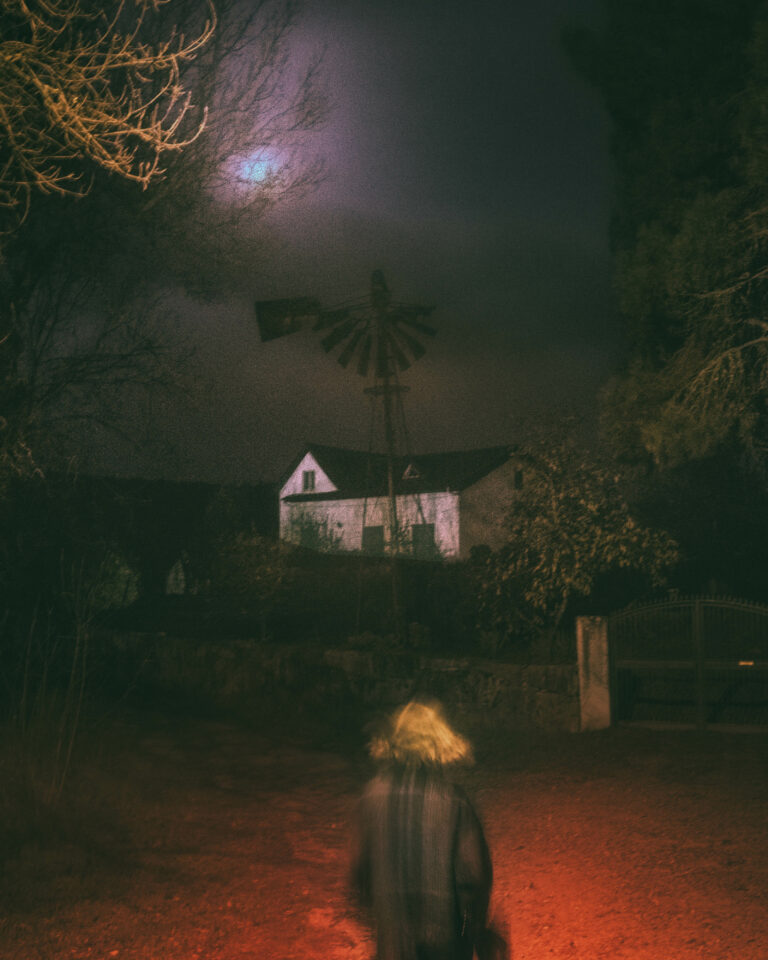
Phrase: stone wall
{"type": "Point", "coordinates": [245, 675]}
{"type": "Point", "coordinates": [517, 696]}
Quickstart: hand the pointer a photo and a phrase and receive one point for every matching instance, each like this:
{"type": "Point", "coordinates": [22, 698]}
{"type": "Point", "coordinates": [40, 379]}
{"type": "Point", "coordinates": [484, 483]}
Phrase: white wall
{"type": "Point", "coordinates": [484, 507]}
{"type": "Point", "coordinates": [343, 519]}
{"type": "Point", "coordinates": [293, 484]}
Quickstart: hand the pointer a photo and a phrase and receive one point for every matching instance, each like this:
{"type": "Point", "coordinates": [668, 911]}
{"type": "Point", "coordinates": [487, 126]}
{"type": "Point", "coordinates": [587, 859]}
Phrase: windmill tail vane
{"type": "Point", "coordinates": [377, 331]}
{"type": "Point", "coordinates": [278, 318]}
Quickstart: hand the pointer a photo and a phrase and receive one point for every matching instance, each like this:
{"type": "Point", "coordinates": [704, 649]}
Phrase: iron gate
{"type": "Point", "coordinates": [699, 662]}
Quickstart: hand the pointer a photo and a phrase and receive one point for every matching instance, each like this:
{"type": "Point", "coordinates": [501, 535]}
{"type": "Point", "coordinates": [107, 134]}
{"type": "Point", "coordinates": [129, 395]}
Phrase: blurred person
{"type": "Point", "coordinates": [421, 867]}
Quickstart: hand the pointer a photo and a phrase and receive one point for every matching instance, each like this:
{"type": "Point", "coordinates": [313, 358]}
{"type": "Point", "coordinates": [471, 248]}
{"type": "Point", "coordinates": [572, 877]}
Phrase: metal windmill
{"type": "Point", "coordinates": [383, 337]}
{"type": "Point", "coordinates": [380, 333]}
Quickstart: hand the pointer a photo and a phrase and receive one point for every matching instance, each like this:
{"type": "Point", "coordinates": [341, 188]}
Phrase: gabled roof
{"type": "Point", "coordinates": [358, 473]}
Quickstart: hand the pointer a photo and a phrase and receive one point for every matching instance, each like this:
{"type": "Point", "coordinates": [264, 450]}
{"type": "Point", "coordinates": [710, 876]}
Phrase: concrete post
{"type": "Point", "coordinates": [594, 678]}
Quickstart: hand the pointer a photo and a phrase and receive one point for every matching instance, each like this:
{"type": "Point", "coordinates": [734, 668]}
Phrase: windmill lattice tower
{"type": "Point", "coordinates": [383, 336]}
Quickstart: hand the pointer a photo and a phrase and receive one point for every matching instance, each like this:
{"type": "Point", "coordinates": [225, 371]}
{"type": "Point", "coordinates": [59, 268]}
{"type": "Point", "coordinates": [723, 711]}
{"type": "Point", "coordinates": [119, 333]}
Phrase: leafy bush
{"type": "Point", "coordinates": [568, 525]}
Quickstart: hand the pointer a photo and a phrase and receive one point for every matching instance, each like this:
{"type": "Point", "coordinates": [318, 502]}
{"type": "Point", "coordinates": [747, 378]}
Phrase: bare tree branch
{"type": "Point", "coordinates": [82, 285]}
{"type": "Point", "coordinates": [78, 84]}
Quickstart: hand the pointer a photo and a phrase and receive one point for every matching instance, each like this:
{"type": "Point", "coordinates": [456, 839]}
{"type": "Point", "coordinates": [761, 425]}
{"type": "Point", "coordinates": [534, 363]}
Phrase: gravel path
{"type": "Point", "coordinates": [199, 839]}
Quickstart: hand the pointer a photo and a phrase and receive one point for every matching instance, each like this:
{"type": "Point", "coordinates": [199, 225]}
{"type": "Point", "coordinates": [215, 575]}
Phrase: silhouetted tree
{"type": "Point", "coordinates": [84, 310]}
{"type": "Point", "coordinates": [685, 86]}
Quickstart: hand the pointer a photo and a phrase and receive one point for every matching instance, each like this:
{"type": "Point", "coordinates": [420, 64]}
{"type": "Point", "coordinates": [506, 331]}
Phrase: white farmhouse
{"type": "Point", "coordinates": [337, 499]}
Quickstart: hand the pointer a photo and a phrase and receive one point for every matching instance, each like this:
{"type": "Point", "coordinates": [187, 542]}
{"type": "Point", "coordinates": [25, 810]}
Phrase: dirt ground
{"type": "Point", "coordinates": [202, 839]}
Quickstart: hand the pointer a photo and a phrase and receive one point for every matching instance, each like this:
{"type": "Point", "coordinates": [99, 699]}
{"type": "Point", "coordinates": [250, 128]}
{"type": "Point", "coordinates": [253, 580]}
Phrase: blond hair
{"type": "Point", "coordinates": [419, 734]}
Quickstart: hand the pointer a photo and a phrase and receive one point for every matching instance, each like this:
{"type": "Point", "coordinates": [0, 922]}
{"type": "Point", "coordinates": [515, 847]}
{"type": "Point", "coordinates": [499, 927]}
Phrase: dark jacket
{"type": "Point", "coordinates": [422, 866]}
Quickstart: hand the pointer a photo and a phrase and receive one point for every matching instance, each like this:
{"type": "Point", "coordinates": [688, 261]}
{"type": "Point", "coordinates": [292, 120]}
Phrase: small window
{"type": "Point", "coordinates": [424, 547]}
{"type": "Point", "coordinates": [373, 540]}
{"type": "Point", "coordinates": [308, 481]}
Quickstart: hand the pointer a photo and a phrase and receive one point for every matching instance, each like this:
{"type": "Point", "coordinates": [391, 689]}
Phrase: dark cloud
{"type": "Point", "coordinates": [467, 162]}
{"type": "Point", "coordinates": [459, 108]}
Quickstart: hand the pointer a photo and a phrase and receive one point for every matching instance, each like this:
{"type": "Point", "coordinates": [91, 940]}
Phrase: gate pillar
{"type": "Point", "coordinates": [594, 675]}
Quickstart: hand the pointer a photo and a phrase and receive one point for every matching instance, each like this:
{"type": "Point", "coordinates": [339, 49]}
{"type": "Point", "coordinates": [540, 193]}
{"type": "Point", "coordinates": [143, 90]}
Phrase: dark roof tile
{"type": "Point", "coordinates": [358, 473]}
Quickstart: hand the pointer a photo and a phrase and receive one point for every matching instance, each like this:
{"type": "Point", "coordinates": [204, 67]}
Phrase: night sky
{"type": "Point", "coordinates": [468, 162]}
